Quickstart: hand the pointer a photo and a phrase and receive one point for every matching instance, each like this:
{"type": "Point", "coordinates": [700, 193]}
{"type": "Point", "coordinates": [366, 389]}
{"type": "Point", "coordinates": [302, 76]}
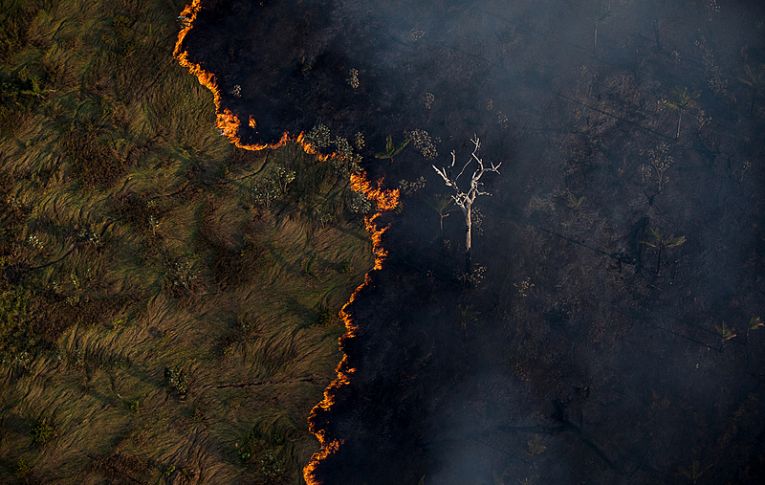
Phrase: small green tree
{"type": "Point", "coordinates": [391, 150]}
{"type": "Point", "coordinates": [726, 332]}
{"type": "Point", "coordinates": [755, 323]}
{"type": "Point", "coordinates": [443, 205]}
{"type": "Point", "coordinates": [681, 101]}
{"type": "Point", "coordinates": [42, 432]}
{"type": "Point", "coordinates": [662, 243]}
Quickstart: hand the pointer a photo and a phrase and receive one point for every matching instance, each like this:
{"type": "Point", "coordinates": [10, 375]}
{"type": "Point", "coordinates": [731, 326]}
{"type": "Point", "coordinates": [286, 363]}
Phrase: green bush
{"type": "Point", "coordinates": [16, 333]}
{"type": "Point", "coordinates": [42, 432]}
{"type": "Point", "coordinates": [176, 379]}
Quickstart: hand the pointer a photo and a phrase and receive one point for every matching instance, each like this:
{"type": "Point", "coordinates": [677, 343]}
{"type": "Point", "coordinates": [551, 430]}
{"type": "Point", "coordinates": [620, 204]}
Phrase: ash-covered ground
{"type": "Point", "coordinates": [615, 334]}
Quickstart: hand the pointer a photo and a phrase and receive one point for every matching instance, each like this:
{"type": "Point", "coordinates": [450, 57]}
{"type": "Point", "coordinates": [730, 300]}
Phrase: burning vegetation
{"type": "Point", "coordinates": [227, 122]}
{"type": "Point", "coordinates": [229, 125]}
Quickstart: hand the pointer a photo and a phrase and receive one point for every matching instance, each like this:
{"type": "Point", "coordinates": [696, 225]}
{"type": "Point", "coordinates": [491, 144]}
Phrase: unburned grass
{"type": "Point", "coordinates": [160, 320]}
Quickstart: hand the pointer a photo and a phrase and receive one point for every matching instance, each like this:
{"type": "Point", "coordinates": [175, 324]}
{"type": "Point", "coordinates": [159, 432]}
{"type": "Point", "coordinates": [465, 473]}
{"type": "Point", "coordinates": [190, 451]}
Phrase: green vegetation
{"type": "Point", "coordinates": [661, 243]}
{"type": "Point", "coordinates": [726, 333]}
{"type": "Point", "coordinates": [680, 102]}
{"type": "Point", "coordinates": [161, 293]}
{"type": "Point", "coordinates": [391, 149]}
{"type": "Point", "coordinates": [42, 432]}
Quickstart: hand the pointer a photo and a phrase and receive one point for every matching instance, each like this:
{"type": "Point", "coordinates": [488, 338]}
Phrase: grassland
{"type": "Point", "coordinates": [167, 302]}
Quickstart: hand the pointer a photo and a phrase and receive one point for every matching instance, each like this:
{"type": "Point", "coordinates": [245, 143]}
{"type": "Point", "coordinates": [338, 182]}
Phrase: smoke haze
{"type": "Point", "coordinates": [613, 337]}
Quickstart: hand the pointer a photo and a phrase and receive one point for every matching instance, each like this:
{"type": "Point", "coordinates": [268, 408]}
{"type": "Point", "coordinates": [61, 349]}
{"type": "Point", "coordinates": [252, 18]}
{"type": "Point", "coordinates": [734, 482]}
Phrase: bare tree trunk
{"type": "Point", "coordinates": [468, 239]}
{"type": "Point", "coordinates": [679, 121]}
{"type": "Point", "coordinates": [464, 199]}
{"type": "Point", "coordinates": [754, 99]}
{"type": "Point", "coordinates": [657, 33]}
{"type": "Point", "coordinates": [658, 260]}
{"type": "Point", "coordinates": [469, 230]}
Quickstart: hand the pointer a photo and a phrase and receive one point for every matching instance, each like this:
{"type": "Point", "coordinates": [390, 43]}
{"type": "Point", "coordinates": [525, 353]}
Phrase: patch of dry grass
{"type": "Point", "coordinates": [158, 320]}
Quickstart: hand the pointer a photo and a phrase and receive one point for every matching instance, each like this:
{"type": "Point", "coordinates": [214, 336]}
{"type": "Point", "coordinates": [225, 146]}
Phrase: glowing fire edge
{"type": "Point", "coordinates": [385, 200]}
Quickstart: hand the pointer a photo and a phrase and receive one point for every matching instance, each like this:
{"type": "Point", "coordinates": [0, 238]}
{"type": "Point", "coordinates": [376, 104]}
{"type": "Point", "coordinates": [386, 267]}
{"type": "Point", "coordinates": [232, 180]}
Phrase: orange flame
{"type": "Point", "coordinates": [229, 124]}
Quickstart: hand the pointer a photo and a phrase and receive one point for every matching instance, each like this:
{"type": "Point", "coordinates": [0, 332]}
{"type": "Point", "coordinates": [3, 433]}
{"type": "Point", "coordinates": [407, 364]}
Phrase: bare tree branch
{"type": "Point", "coordinates": [464, 199]}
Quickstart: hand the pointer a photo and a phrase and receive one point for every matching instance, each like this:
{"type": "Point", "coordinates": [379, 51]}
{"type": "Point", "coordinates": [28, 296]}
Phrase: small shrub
{"type": "Point", "coordinates": [725, 332]}
{"type": "Point", "coordinates": [358, 203]}
{"type": "Point", "coordinates": [272, 187]}
{"type": "Point", "coordinates": [133, 405]}
{"type": "Point", "coordinates": [344, 267]}
{"type": "Point", "coordinates": [42, 432]}
{"type": "Point", "coordinates": [23, 468]}
{"type": "Point", "coordinates": [391, 149]}
{"type": "Point", "coordinates": [325, 316]}
{"type": "Point", "coordinates": [176, 379]}
{"type": "Point", "coordinates": [243, 451]}
{"type": "Point", "coordinates": [17, 332]}
{"type": "Point", "coordinates": [319, 136]}
{"type": "Point", "coordinates": [271, 467]}
{"type": "Point", "coordinates": [410, 187]}
{"type": "Point", "coordinates": [423, 143]}
{"type": "Point", "coordinates": [183, 279]}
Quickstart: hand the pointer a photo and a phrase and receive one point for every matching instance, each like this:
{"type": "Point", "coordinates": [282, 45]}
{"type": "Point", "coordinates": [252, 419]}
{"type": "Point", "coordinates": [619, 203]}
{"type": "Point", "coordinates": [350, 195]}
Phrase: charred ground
{"type": "Point", "coordinates": [616, 335]}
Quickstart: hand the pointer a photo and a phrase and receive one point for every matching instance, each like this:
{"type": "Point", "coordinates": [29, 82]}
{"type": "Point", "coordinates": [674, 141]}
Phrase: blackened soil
{"type": "Point", "coordinates": [614, 337]}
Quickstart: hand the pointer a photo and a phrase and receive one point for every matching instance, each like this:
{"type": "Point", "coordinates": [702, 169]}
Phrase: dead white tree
{"type": "Point", "coordinates": [465, 198]}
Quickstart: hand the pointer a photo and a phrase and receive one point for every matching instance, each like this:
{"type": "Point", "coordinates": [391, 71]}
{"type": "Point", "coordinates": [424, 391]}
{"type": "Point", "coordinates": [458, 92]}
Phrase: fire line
{"type": "Point", "coordinates": [228, 123]}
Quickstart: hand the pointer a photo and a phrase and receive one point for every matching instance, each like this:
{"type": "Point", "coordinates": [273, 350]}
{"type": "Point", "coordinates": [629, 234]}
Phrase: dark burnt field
{"type": "Point", "coordinates": [611, 330]}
